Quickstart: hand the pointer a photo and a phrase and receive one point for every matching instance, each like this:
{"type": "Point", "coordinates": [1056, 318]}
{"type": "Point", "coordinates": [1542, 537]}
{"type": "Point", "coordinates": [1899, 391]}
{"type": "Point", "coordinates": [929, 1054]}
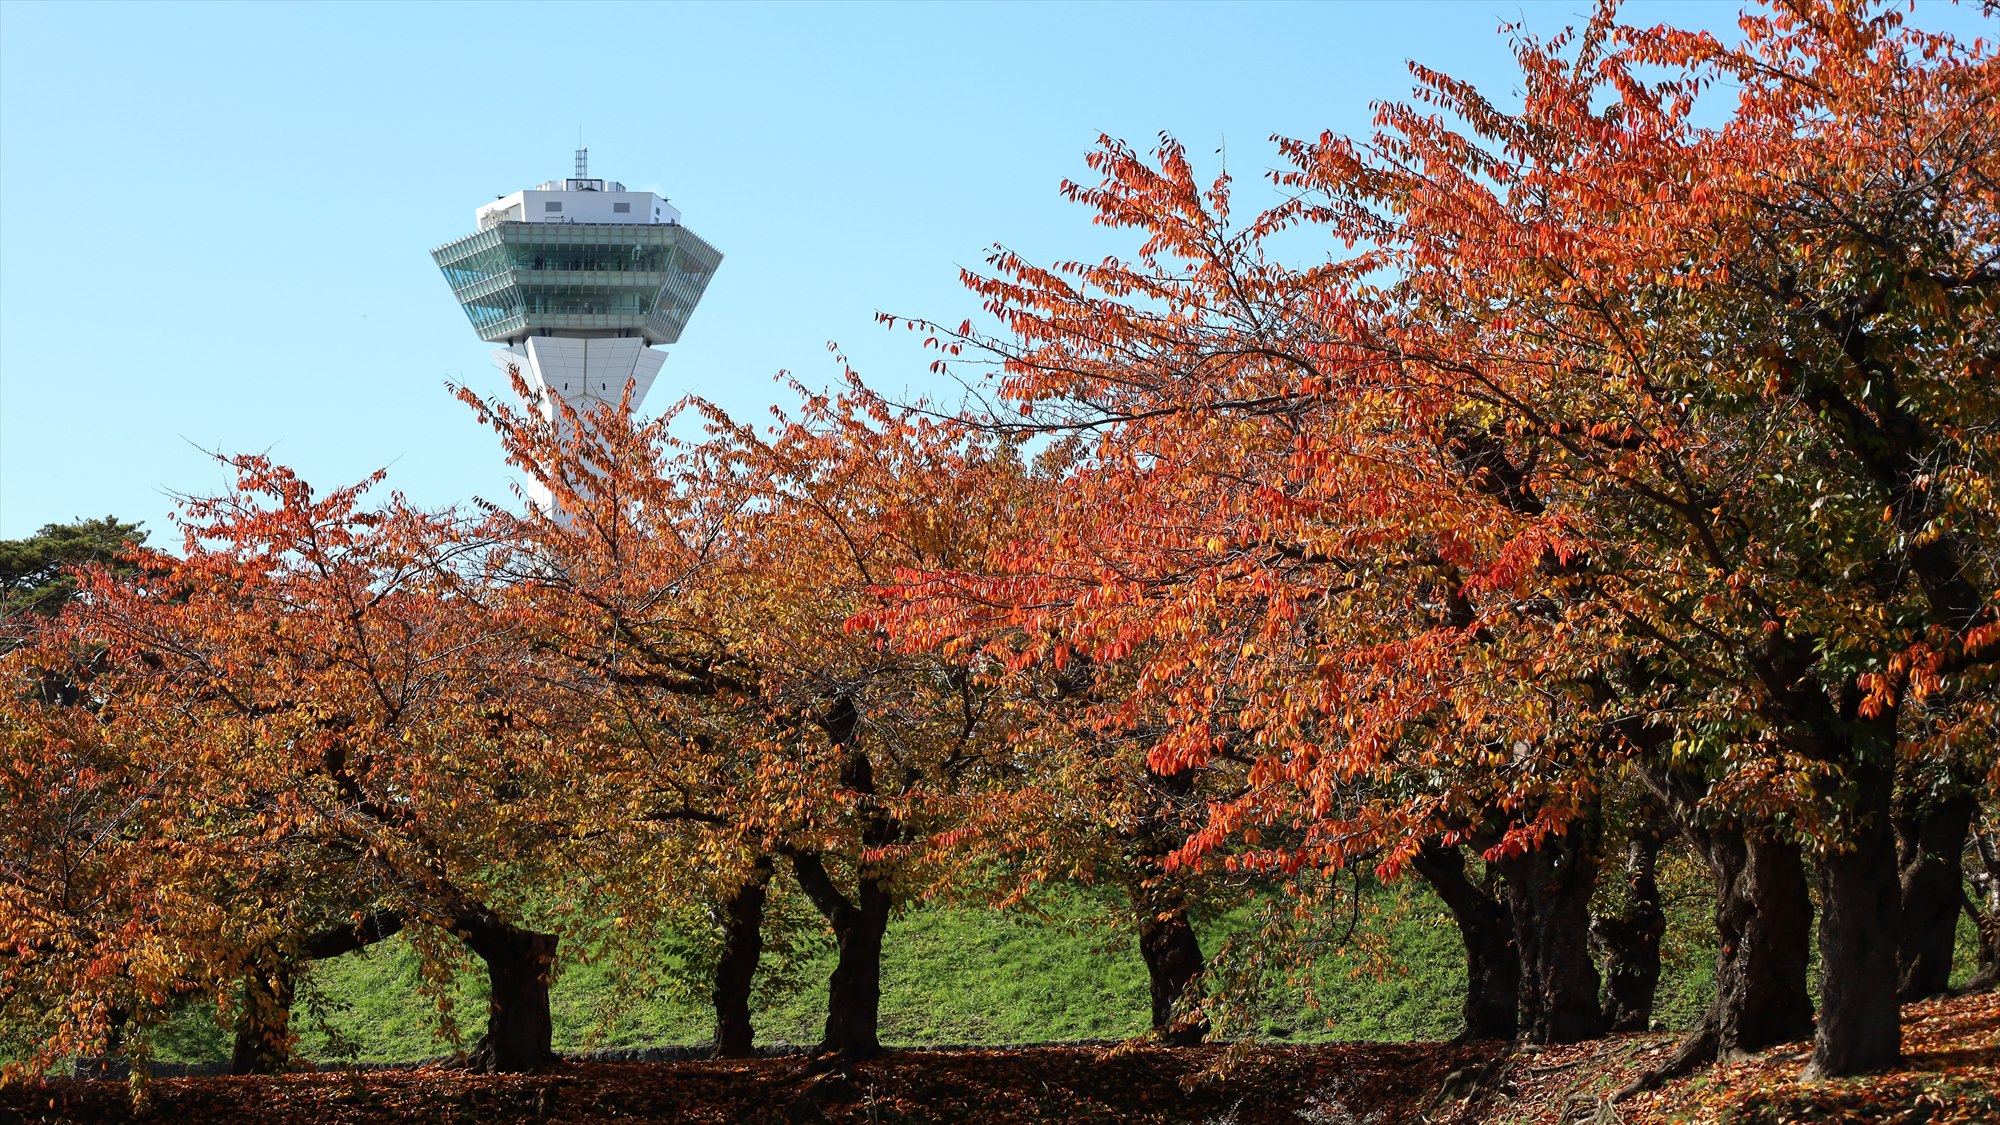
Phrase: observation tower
{"type": "Point", "coordinates": [577, 280]}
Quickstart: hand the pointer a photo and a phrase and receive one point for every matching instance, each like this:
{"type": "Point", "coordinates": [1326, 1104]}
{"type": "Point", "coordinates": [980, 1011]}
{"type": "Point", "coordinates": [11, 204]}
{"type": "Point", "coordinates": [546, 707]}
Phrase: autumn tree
{"type": "Point", "coordinates": [319, 679]}
{"type": "Point", "coordinates": [90, 953]}
{"type": "Point", "coordinates": [1615, 437]}
{"type": "Point", "coordinates": [701, 592]}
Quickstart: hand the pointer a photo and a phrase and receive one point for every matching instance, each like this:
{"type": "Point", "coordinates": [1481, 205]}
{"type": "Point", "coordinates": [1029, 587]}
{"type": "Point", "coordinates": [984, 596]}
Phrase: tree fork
{"type": "Point", "coordinates": [854, 991]}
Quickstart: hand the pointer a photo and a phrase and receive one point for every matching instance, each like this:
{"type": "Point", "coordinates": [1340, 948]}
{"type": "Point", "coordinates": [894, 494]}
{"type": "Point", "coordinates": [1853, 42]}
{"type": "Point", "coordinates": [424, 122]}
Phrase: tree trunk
{"type": "Point", "coordinates": [1630, 940]}
{"type": "Point", "coordinates": [1492, 966]}
{"type": "Point", "coordinates": [1172, 953]}
{"type": "Point", "coordinates": [1548, 897]}
{"type": "Point", "coordinates": [518, 966]}
{"type": "Point", "coordinates": [1167, 941]}
{"type": "Point", "coordinates": [1763, 926]}
{"type": "Point", "coordinates": [263, 1028]}
{"type": "Point", "coordinates": [1985, 910]}
{"type": "Point", "coordinates": [1763, 929]}
{"type": "Point", "coordinates": [854, 991]}
{"type": "Point", "coordinates": [1763, 920]}
{"type": "Point", "coordinates": [1860, 1023]}
{"type": "Point", "coordinates": [742, 946]}
{"type": "Point", "coordinates": [1930, 841]}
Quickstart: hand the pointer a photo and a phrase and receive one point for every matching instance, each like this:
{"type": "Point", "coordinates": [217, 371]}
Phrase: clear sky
{"type": "Point", "coordinates": [215, 219]}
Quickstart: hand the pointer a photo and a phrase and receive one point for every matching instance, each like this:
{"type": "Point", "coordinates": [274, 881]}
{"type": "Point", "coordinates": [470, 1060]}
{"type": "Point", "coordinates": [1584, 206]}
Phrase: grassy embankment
{"type": "Point", "coordinates": [957, 975]}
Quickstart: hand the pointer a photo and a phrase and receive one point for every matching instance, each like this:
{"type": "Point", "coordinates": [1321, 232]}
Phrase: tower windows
{"type": "Point", "coordinates": [552, 206]}
{"type": "Point", "coordinates": [622, 208]}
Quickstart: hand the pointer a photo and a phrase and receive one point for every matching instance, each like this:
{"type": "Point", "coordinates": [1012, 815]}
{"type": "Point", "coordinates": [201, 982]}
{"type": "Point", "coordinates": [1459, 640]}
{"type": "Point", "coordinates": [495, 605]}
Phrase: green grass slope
{"type": "Point", "coordinates": [950, 975]}
{"type": "Point", "coordinates": [966, 975]}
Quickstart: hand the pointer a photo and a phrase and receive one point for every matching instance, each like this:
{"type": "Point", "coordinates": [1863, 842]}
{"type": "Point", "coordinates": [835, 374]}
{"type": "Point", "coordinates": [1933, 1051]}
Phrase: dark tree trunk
{"type": "Point", "coordinates": [1548, 897]}
{"type": "Point", "coordinates": [1630, 940]}
{"type": "Point", "coordinates": [1492, 966]}
{"type": "Point", "coordinates": [1985, 910]}
{"type": "Point", "coordinates": [1860, 1023]}
{"type": "Point", "coordinates": [1763, 926]}
{"type": "Point", "coordinates": [1763, 929]}
{"type": "Point", "coordinates": [854, 991]}
{"type": "Point", "coordinates": [1986, 973]}
{"type": "Point", "coordinates": [1172, 953]}
{"type": "Point", "coordinates": [1930, 841]}
{"type": "Point", "coordinates": [518, 967]}
{"type": "Point", "coordinates": [742, 946]}
{"type": "Point", "coordinates": [115, 1019]}
{"type": "Point", "coordinates": [1167, 941]}
{"type": "Point", "coordinates": [263, 1028]}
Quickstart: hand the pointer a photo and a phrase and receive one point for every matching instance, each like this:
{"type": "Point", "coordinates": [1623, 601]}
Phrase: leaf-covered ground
{"type": "Point", "coordinates": [1952, 1077]}
{"type": "Point", "coordinates": [1384, 1083]}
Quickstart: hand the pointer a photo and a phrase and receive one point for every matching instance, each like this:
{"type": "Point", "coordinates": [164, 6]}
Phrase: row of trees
{"type": "Point", "coordinates": [1618, 477]}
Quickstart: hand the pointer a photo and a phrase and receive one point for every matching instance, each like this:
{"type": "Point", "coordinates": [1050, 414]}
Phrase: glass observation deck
{"type": "Point", "coordinates": [517, 280]}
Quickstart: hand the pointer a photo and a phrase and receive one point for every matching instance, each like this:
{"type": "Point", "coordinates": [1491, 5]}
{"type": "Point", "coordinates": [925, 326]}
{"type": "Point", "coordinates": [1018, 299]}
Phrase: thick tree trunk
{"type": "Point", "coordinates": [1763, 928]}
{"type": "Point", "coordinates": [115, 1019]}
{"type": "Point", "coordinates": [1172, 954]}
{"type": "Point", "coordinates": [1930, 841]}
{"type": "Point", "coordinates": [1548, 897]}
{"type": "Point", "coordinates": [1763, 921]}
{"type": "Point", "coordinates": [1860, 1023]}
{"type": "Point", "coordinates": [1492, 966]}
{"type": "Point", "coordinates": [742, 919]}
{"type": "Point", "coordinates": [1630, 940]}
{"type": "Point", "coordinates": [518, 967]}
{"type": "Point", "coordinates": [1167, 941]}
{"type": "Point", "coordinates": [854, 991]}
{"type": "Point", "coordinates": [263, 1028]}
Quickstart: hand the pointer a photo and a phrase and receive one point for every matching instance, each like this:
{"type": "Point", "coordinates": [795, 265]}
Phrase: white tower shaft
{"type": "Point", "coordinates": [585, 373]}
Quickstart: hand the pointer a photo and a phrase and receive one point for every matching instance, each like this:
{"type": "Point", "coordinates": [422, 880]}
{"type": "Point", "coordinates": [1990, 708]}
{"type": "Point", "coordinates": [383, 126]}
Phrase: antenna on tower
{"type": "Point", "coordinates": [582, 157]}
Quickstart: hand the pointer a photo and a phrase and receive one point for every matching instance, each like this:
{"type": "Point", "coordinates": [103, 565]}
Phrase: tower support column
{"type": "Point", "coordinates": [583, 372]}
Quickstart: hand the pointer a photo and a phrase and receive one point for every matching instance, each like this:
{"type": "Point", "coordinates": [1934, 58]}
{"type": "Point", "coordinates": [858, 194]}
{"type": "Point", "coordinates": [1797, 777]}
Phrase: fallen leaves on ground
{"type": "Point", "coordinates": [1380, 1083]}
{"type": "Point", "coordinates": [1951, 1077]}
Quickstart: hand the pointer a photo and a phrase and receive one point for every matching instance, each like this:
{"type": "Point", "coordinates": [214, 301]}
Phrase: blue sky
{"type": "Point", "coordinates": [215, 219]}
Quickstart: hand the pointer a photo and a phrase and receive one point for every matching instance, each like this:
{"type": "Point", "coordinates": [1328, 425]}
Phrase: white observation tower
{"type": "Point", "coordinates": [577, 279]}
